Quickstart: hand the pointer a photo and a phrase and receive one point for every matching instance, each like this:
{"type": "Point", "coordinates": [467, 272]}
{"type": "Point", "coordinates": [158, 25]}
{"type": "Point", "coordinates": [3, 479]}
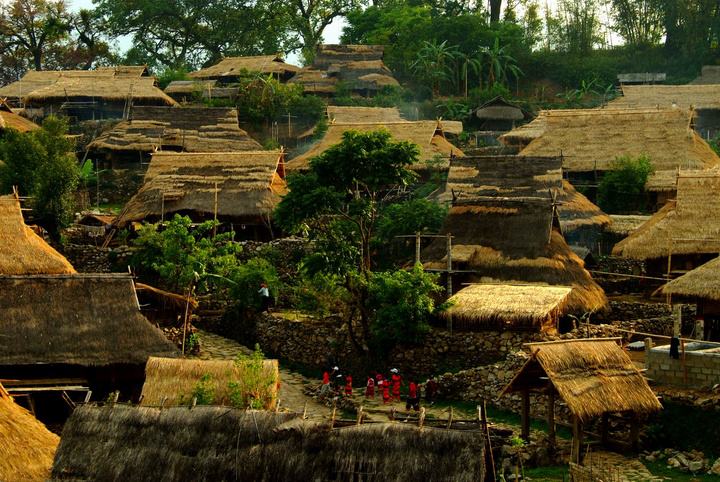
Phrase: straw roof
{"type": "Point", "coordinates": [704, 96]}
{"type": "Point", "coordinates": [192, 129]}
{"type": "Point", "coordinates": [142, 90]}
{"type": "Point", "coordinates": [190, 86]}
{"type": "Point", "coordinates": [350, 115]}
{"type": "Point", "coordinates": [710, 75]}
{"type": "Point", "coordinates": [511, 240]}
{"type": "Point", "coordinates": [428, 135]}
{"type": "Point", "coordinates": [218, 443]}
{"type": "Point", "coordinates": [451, 127]}
{"type": "Point", "coordinates": [512, 177]}
{"type": "Point", "coordinates": [591, 376]}
{"type": "Point", "coordinates": [689, 219]}
{"type": "Point", "coordinates": [525, 134]}
{"type": "Point", "coordinates": [592, 138]}
{"type": "Point", "coordinates": [233, 66]}
{"type": "Point", "coordinates": [500, 109]}
{"type": "Point", "coordinates": [702, 282]}
{"type": "Point", "coordinates": [503, 306]}
{"type": "Point", "coordinates": [623, 224]}
{"type": "Point", "coordinates": [88, 320]}
{"type": "Point", "coordinates": [359, 66]}
{"type": "Point", "coordinates": [8, 119]}
{"type": "Point", "coordinates": [22, 252]}
{"type": "Point", "coordinates": [170, 377]}
{"type": "Point", "coordinates": [27, 446]}
{"type": "Point", "coordinates": [246, 185]}
{"type": "Point", "coordinates": [126, 70]}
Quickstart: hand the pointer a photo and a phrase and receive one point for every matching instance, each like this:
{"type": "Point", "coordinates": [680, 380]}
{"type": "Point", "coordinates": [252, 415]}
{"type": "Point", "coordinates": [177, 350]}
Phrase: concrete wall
{"type": "Point", "coordinates": [702, 363]}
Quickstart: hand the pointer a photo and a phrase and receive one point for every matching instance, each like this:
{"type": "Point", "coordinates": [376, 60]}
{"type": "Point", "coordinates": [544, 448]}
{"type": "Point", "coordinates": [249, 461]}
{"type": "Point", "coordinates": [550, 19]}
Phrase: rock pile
{"type": "Point", "coordinates": [693, 462]}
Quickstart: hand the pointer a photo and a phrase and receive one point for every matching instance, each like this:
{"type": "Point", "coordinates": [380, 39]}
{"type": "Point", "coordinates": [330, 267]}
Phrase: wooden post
{"type": "Point", "coordinates": [359, 415]}
{"type": "Point", "coordinates": [449, 289]}
{"type": "Point", "coordinates": [332, 417]}
{"type": "Point", "coordinates": [551, 417]}
{"type": "Point", "coordinates": [215, 212]}
{"type": "Point", "coordinates": [185, 320]}
{"type": "Point", "coordinates": [668, 298]}
{"type": "Point", "coordinates": [417, 247]}
{"type": "Point", "coordinates": [525, 413]}
{"type": "Point", "coordinates": [577, 439]}
{"type": "Point", "coordinates": [682, 345]}
{"type": "Point", "coordinates": [634, 432]}
{"type": "Point", "coordinates": [450, 419]}
{"type": "Point", "coordinates": [304, 415]}
{"type": "Point", "coordinates": [604, 428]}
{"type": "Point", "coordinates": [422, 417]}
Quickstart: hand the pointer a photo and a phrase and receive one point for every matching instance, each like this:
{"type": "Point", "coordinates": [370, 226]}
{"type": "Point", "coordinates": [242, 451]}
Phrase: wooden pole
{"type": "Point", "coordinates": [604, 428]}
{"type": "Point", "coordinates": [577, 439]}
{"type": "Point", "coordinates": [187, 309]}
{"type": "Point", "coordinates": [215, 212]}
{"type": "Point", "coordinates": [488, 447]}
{"type": "Point", "coordinates": [417, 247]}
{"type": "Point", "coordinates": [634, 432]}
{"type": "Point", "coordinates": [682, 345]}
{"type": "Point", "coordinates": [449, 266]}
{"type": "Point", "coordinates": [551, 417]}
{"type": "Point", "coordinates": [526, 413]}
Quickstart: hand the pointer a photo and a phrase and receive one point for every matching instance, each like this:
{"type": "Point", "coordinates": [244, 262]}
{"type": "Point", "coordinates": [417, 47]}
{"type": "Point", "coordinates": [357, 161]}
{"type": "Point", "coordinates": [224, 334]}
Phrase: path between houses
{"type": "Point", "coordinates": [616, 465]}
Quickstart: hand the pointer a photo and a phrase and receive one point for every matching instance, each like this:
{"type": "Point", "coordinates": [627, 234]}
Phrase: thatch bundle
{"type": "Point", "coordinates": [590, 139]}
{"type": "Point", "coordinates": [26, 445]}
{"type": "Point", "coordinates": [141, 90]}
{"type": "Point", "coordinates": [192, 129]}
{"type": "Point", "coordinates": [591, 376]}
{"type": "Point", "coordinates": [702, 282]}
{"type": "Point", "coordinates": [216, 443]}
{"type": "Point", "coordinates": [428, 135]}
{"type": "Point", "coordinates": [689, 219]}
{"type": "Point", "coordinates": [229, 68]}
{"type": "Point", "coordinates": [359, 66]}
{"type": "Point", "coordinates": [525, 134]}
{"type": "Point", "coordinates": [22, 252]}
{"type": "Point", "coordinates": [171, 377]}
{"type": "Point", "coordinates": [703, 96]}
{"type": "Point", "coordinates": [504, 306]}
{"type": "Point", "coordinates": [89, 320]}
{"type": "Point", "coordinates": [242, 185]}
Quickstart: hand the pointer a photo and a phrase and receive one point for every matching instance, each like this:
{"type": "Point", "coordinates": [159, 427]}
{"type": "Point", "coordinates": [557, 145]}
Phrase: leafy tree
{"type": "Point", "coordinates": [499, 63]}
{"type": "Point", "coordinates": [409, 217]}
{"type": "Point", "coordinates": [638, 21]}
{"type": "Point", "coordinates": [622, 188]}
{"type": "Point", "coordinates": [578, 26]}
{"type": "Point", "coordinates": [434, 63]}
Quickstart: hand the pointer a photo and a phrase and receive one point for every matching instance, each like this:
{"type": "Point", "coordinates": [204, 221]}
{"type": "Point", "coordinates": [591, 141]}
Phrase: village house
{"type": "Point", "coordinates": [191, 91]}
{"type": "Point", "coordinates": [523, 135]}
{"type": "Point", "coordinates": [230, 69]}
{"type": "Point", "coordinates": [500, 115]}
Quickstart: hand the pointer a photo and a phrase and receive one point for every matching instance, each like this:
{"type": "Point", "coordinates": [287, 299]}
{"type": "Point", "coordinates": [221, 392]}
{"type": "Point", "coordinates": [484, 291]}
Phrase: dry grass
{"type": "Point", "coordinates": [703, 96]}
{"type": "Point", "coordinates": [233, 67]}
{"type": "Point", "coordinates": [702, 282]}
{"type": "Point", "coordinates": [110, 88]}
{"type": "Point", "coordinates": [8, 119]}
{"type": "Point", "coordinates": [525, 134]}
{"type": "Point", "coordinates": [362, 115]}
{"type": "Point", "coordinates": [623, 224]}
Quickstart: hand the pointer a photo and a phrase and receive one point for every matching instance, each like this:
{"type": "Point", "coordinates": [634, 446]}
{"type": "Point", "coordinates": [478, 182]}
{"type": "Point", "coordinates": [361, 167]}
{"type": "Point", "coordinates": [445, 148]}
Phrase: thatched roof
{"type": "Point", "coordinates": [623, 224]}
{"type": "Point", "coordinates": [231, 67]}
{"type": "Point", "coordinates": [190, 87]}
{"type": "Point", "coordinates": [702, 282]}
{"type": "Point", "coordinates": [504, 306]}
{"type": "Point", "coordinates": [142, 90]}
{"type": "Point", "coordinates": [512, 177]}
{"type": "Point", "coordinates": [525, 134]}
{"type": "Point", "coordinates": [689, 221]}
{"type": "Point", "coordinates": [591, 376]}
{"type": "Point", "coordinates": [710, 75]}
{"type": "Point", "coordinates": [591, 138]}
{"type": "Point", "coordinates": [246, 184]}
{"type": "Point", "coordinates": [351, 115]}
{"type": "Point", "coordinates": [501, 109]}
{"type": "Point", "coordinates": [22, 252]}
{"type": "Point", "coordinates": [218, 443]}
{"type": "Point", "coordinates": [428, 135]}
{"type": "Point", "coordinates": [126, 70]}
{"type": "Point", "coordinates": [192, 129]}
{"type": "Point", "coordinates": [171, 377]}
{"type": "Point", "coordinates": [511, 240]}
{"type": "Point", "coordinates": [26, 445]}
{"type": "Point", "coordinates": [89, 320]}
{"type": "Point", "coordinates": [706, 96]}
{"type": "Point", "coordinates": [9, 119]}
{"type": "Point", "coordinates": [451, 127]}
{"type": "Point", "coordinates": [359, 66]}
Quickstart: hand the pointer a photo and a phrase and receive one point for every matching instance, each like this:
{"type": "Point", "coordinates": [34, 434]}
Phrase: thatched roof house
{"type": "Point", "coordinates": [428, 135]}
{"type": "Point", "coordinates": [190, 90]}
{"type": "Point", "coordinates": [702, 282]}
{"type": "Point", "coordinates": [499, 114]}
{"type": "Point", "coordinates": [526, 133]}
{"type": "Point", "coordinates": [241, 187]}
{"type": "Point", "coordinates": [710, 74]}
{"type": "Point", "coordinates": [700, 97]}
{"type": "Point", "coordinates": [151, 129]}
{"type": "Point", "coordinates": [504, 307]}
{"type": "Point", "coordinates": [169, 378]}
{"type": "Point", "coordinates": [229, 69]}
{"type": "Point", "coordinates": [349, 115]}
{"type": "Point", "coordinates": [27, 446]}
{"type": "Point", "coordinates": [22, 252]}
{"type": "Point", "coordinates": [588, 139]}
{"type": "Point", "coordinates": [10, 120]}
{"type": "Point", "coordinates": [513, 241]}
{"type": "Point", "coordinates": [360, 67]}
{"type": "Point", "coordinates": [218, 443]}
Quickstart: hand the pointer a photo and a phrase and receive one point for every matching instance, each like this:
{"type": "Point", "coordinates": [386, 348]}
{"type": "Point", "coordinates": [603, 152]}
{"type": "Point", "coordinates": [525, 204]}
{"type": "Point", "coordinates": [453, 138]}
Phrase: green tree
{"type": "Point", "coordinates": [622, 188]}
{"type": "Point", "coordinates": [499, 63]}
{"type": "Point", "coordinates": [434, 63]}
{"type": "Point", "coordinates": [409, 217]}
{"type": "Point", "coordinates": [638, 21]}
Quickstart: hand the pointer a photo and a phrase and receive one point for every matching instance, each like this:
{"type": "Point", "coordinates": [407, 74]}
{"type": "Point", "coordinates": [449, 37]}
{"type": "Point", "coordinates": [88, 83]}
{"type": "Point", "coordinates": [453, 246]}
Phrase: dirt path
{"type": "Point", "coordinates": [611, 463]}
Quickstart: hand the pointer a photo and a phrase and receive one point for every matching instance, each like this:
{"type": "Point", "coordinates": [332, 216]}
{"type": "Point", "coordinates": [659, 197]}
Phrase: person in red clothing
{"type": "Point", "coordinates": [430, 389]}
{"type": "Point", "coordinates": [325, 389]}
{"type": "Point", "coordinates": [385, 391]}
{"type": "Point", "coordinates": [413, 400]}
{"type": "Point", "coordinates": [396, 381]}
{"type": "Point", "coordinates": [370, 389]}
{"type": "Point", "coordinates": [348, 386]}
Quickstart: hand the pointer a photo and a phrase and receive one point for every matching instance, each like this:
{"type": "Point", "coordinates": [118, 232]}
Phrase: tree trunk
{"type": "Point", "coordinates": [495, 8]}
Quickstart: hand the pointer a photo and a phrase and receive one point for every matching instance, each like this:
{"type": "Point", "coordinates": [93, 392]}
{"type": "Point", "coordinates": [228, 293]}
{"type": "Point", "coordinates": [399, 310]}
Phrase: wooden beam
{"type": "Point", "coordinates": [551, 417]}
{"type": "Point", "coordinates": [525, 413]}
{"type": "Point", "coordinates": [577, 440]}
{"type": "Point", "coordinates": [634, 432]}
{"type": "Point", "coordinates": [604, 428]}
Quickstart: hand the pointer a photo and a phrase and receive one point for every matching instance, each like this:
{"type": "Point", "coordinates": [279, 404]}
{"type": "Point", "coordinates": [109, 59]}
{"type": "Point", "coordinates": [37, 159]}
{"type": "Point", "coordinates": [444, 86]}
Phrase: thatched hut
{"type": "Point", "coordinates": [22, 252]}
{"type": "Point", "coordinates": [702, 287]}
{"type": "Point", "coordinates": [26, 445]}
{"type": "Point", "coordinates": [503, 307]}
{"type": "Point", "coordinates": [359, 67]}
{"type": "Point", "coordinates": [74, 333]}
{"type": "Point", "coordinates": [172, 380]}
{"type": "Point", "coordinates": [684, 230]}
{"type": "Point", "coordinates": [188, 91]}
{"type": "Point", "coordinates": [218, 443]}
{"type": "Point", "coordinates": [241, 188]}
{"type": "Point", "coordinates": [348, 115]}
{"type": "Point", "coordinates": [11, 120]}
{"type": "Point", "coordinates": [512, 241]}
{"type": "Point", "coordinates": [521, 136]}
{"type": "Point", "coordinates": [230, 69]}
{"type": "Point", "coordinates": [428, 135]}
{"type": "Point", "coordinates": [151, 129]}
{"type": "Point", "coordinates": [499, 114]}
{"type": "Point", "coordinates": [594, 377]}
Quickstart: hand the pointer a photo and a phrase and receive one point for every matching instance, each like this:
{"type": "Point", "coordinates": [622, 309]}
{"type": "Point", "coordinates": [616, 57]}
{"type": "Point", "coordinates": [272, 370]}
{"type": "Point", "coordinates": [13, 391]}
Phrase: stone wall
{"type": "Point", "coordinates": [701, 366]}
{"type": "Point", "coordinates": [87, 258]}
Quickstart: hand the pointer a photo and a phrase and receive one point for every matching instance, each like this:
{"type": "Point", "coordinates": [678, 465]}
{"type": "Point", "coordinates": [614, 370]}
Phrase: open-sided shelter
{"type": "Point", "coordinates": [499, 114]}
{"type": "Point", "coordinates": [27, 446]}
{"type": "Point", "coordinates": [230, 69]}
{"type": "Point", "coordinates": [241, 188]}
{"type": "Point", "coordinates": [359, 67]}
{"type": "Point", "coordinates": [193, 129]}
{"type": "Point", "coordinates": [593, 377]}
{"type": "Point", "coordinates": [220, 443]}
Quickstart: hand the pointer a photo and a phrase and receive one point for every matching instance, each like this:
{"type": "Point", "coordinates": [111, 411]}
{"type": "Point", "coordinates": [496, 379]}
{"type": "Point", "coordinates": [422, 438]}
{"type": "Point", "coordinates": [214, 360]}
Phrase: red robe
{"type": "Point", "coordinates": [348, 385]}
{"type": "Point", "coordinates": [370, 390]}
{"type": "Point", "coordinates": [386, 392]}
{"type": "Point", "coordinates": [396, 386]}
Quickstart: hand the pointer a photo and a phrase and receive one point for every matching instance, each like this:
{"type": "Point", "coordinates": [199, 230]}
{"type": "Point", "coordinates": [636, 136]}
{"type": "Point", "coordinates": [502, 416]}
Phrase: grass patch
{"type": "Point", "coordinates": [113, 208]}
{"type": "Point", "coordinates": [659, 469]}
{"type": "Point", "coordinates": [542, 474]}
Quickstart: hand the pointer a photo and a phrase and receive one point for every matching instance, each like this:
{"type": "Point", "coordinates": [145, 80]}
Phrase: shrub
{"type": "Point", "coordinates": [622, 188]}
{"type": "Point", "coordinates": [254, 390]}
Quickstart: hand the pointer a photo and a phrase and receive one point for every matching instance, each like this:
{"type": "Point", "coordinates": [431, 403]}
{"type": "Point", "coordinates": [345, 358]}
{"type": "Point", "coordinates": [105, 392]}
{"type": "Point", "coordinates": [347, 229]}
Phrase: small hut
{"type": "Point", "coordinates": [593, 377]}
{"type": "Point", "coordinates": [230, 69]}
{"type": "Point", "coordinates": [172, 380]}
{"type": "Point", "coordinates": [702, 287]}
{"type": "Point", "coordinates": [683, 234]}
{"type": "Point", "coordinates": [11, 120]}
{"type": "Point", "coordinates": [503, 307]}
{"type": "Point", "coordinates": [151, 129]}
{"type": "Point", "coordinates": [95, 224]}
{"type": "Point", "coordinates": [238, 188]}
{"type": "Point", "coordinates": [521, 136]}
{"type": "Point", "coordinates": [359, 67]}
{"type": "Point", "coordinates": [220, 443]}
{"type": "Point", "coordinates": [501, 115]}
{"type": "Point", "coordinates": [27, 446]}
